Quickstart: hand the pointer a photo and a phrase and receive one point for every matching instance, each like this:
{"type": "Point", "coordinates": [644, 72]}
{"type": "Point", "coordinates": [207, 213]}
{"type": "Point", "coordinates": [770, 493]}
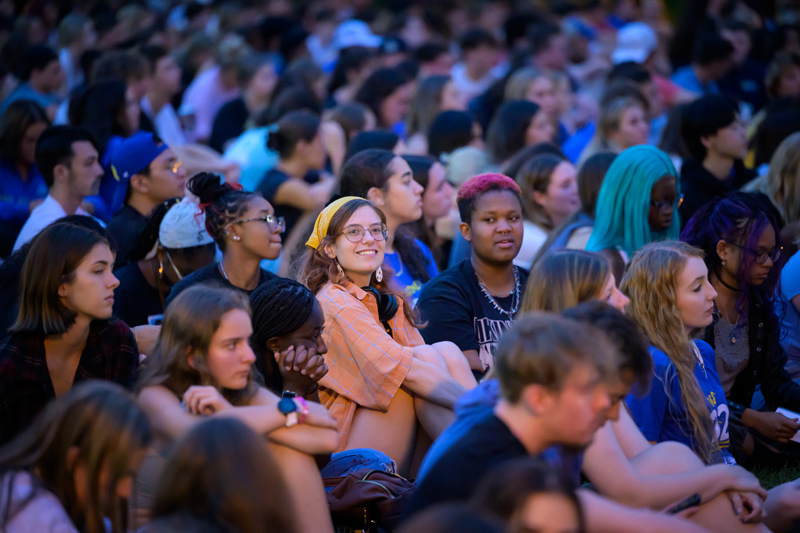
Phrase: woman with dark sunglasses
{"type": "Point", "coordinates": [244, 227]}
{"type": "Point", "coordinates": [742, 243]}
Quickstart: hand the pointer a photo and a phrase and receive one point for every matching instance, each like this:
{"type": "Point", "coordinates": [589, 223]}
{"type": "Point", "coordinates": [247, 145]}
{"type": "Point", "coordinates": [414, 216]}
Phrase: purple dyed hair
{"type": "Point", "coordinates": [739, 218]}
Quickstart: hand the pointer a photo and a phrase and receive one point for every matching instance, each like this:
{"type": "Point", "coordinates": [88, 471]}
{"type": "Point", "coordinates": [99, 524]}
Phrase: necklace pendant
{"type": "Point", "coordinates": [733, 339]}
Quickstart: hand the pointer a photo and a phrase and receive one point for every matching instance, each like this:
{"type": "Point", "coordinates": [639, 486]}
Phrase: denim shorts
{"type": "Point", "coordinates": [348, 461]}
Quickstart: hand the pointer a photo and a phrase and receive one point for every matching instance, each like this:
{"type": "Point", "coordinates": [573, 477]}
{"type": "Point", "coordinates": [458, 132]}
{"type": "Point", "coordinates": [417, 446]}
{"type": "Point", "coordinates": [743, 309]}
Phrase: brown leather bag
{"type": "Point", "coordinates": [367, 498]}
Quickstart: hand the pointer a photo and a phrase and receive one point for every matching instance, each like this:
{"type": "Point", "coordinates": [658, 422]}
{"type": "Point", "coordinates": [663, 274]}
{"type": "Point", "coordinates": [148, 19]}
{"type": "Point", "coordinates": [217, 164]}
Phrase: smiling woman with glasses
{"type": "Point", "coordinates": [742, 243]}
{"type": "Point", "coordinates": [246, 230]}
{"type": "Point", "coordinates": [384, 381]}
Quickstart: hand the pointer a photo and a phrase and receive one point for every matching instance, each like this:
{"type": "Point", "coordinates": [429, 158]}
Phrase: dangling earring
{"type": "Point", "coordinates": [724, 262]}
{"type": "Point", "coordinates": [379, 275]}
{"type": "Point", "coordinates": [339, 268]}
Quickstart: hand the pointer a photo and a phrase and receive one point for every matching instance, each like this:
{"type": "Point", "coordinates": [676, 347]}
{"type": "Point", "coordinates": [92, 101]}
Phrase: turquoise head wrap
{"type": "Point", "coordinates": [624, 201]}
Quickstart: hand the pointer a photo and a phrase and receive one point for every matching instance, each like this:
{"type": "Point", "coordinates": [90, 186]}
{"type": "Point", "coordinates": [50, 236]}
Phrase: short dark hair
{"type": "Point", "coordinates": [36, 57]}
{"type": "Point", "coordinates": [705, 116]}
{"type": "Point", "coordinates": [449, 131]}
{"type": "Point", "coordinates": [153, 53]}
{"type": "Point", "coordinates": [370, 140]}
{"type": "Point", "coordinates": [378, 86]}
{"type": "Point", "coordinates": [711, 49]}
{"type": "Point", "coordinates": [475, 38]}
{"type": "Point", "coordinates": [120, 65]}
{"type": "Point", "coordinates": [624, 334]}
{"type": "Point", "coordinates": [629, 71]}
{"type": "Point", "coordinates": [293, 127]}
{"type": "Point", "coordinates": [540, 35]}
{"type": "Point", "coordinates": [54, 147]}
{"type": "Point", "coordinates": [429, 52]}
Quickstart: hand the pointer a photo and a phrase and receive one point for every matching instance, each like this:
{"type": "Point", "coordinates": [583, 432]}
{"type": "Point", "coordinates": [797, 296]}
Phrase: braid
{"type": "Point", "coordinates": [279, 307]}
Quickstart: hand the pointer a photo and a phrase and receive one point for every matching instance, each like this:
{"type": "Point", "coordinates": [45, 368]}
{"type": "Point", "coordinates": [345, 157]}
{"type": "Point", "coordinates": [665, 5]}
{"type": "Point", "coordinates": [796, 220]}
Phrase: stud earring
{"type": "Point", "coordinates": [379, 275]}
{"type": "Point", "coordinates": [236, 238]}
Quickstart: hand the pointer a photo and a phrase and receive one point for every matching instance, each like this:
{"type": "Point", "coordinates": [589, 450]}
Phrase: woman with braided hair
{"type": "Point", "coordinates": [246, 230]}
{"type": "Point", "coordinates": [287, 337]}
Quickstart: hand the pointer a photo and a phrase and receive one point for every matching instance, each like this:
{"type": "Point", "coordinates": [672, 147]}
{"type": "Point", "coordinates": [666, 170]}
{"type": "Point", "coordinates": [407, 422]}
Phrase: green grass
{"type": "Point", "coordinates": [772, 476]}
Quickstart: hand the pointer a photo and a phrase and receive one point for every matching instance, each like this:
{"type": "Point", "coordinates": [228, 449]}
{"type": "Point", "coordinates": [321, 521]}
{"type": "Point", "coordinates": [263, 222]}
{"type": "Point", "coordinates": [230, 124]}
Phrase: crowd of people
{"type": "Point", "coordinates": [522, 266]}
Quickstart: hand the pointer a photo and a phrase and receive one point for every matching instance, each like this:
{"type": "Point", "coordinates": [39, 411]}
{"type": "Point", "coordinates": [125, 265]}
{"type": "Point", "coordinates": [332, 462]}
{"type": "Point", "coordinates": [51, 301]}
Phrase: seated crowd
{"type": "Point", "coordinates": [469, 267]}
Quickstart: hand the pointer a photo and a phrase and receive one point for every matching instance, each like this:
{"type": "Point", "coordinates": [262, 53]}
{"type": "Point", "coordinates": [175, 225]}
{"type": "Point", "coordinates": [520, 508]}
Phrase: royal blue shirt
{"type": "Point", "coordinates": [403, 278]}
{"type": "Point", "coordinates": [16, 195]}
{"type": "Point", "coordinates": [661, 415]}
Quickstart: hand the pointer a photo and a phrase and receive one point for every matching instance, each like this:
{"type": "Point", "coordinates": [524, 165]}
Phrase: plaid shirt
{"type": "Point", "coordinates": [367, 366]}
{"type": "Point", "coordinates": [25, 387]}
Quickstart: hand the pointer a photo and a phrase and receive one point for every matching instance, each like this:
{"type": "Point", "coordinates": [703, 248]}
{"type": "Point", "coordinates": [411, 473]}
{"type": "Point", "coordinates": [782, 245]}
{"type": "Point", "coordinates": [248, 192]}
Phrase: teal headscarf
{"type": "Point", "coordinates": [624, 201]}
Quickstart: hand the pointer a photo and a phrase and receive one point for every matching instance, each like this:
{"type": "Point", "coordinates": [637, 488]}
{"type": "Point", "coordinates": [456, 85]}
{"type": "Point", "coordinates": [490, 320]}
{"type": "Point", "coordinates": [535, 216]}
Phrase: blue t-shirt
{"type": "Point", "coordinates": [790, 318]}
{"type": "Point", "coordinates": [686, 78]}
{"type": "Point", "coordinates": [15, 198]}
{"type": "Point", "coordinates": [661, 414]}
{"type": "Point", "coordinates": [402, 277]}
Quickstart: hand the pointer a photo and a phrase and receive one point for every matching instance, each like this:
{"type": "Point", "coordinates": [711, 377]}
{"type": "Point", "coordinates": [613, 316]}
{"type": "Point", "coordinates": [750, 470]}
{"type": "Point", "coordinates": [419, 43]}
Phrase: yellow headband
{"type": "Point", "coordinates": [324, 219]}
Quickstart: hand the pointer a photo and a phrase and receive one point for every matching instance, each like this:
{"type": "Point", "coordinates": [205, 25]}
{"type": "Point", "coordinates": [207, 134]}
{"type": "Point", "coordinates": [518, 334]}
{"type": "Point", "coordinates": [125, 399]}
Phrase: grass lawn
{"type": "Point", "coordinates": [772, 476]}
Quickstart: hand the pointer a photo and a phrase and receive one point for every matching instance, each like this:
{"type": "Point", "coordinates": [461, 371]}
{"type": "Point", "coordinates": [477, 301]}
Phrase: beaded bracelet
{"type": "Point", "coordinates": [303, 411]}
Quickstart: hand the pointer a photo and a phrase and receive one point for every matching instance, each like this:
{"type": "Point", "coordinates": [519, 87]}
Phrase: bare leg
{"type": "Point", "coordinates": [392, 432]}
{"type": "Point", "coordinates": [456, 363]}
{"type": "Point", "coordinates": [783, 507]}
{"type": "Point", "coordinates": [301, 475]}
{"type": "Point", "coordinates": [435, 418]}
{"type": "Point", "coordinates": [674, 457]}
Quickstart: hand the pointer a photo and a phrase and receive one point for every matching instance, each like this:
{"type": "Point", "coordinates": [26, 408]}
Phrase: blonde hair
{"type": "Point", "coordinates": [782, 180]}
{"type": "Point", "coordinates": [564, 279]}
{"type": "Point", "coordinates": [520, 83]}
{"type": "Point", "coordinates": [609, 121]}
{"type": "Point", "coordinates": [651, 283]}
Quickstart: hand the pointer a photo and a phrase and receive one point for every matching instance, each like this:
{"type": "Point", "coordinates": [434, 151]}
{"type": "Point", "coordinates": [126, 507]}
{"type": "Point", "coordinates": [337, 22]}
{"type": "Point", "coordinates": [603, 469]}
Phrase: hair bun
{"type": "Point", "coordinates": [207, 186]}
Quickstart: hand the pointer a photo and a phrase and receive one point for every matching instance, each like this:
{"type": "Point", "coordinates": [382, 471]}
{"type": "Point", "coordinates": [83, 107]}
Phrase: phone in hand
{"type": "Point", "coordinates": [691, 501]}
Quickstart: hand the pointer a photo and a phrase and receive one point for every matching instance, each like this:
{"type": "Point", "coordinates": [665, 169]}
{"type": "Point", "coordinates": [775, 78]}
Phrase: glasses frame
{"type": "Point", "coordinates": [270, 220]}
{"type": "Point", "coordinates": [777, 252]}
{"type": "Point", "coordinates": [661, 205]}
{"type": "Point", "coordinates": [384, 233]}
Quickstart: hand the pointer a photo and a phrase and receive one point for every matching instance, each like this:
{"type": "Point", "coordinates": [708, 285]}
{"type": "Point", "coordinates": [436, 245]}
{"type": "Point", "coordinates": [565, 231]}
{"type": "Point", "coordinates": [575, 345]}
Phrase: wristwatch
{"type": "Point", "coordinates": [288, 407]}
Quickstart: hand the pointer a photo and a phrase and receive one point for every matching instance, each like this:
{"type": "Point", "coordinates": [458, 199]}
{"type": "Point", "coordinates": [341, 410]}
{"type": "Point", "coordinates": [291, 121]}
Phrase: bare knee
{"type": "Point", "coordinates": [430, 354]}
{"type": "Point", "coordinates": [451, 353]}
{"type": "Point", "coordinates": [681, 457]}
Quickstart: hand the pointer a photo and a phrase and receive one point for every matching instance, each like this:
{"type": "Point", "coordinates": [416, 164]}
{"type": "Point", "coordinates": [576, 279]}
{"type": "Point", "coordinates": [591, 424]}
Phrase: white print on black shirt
{"type": "Point", "coordinates": [487, 333]}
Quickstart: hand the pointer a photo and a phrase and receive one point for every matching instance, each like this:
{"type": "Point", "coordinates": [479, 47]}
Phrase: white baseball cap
{"type": "Point", "coordinates": [635, 42]}
{"type": "Point", "coordinates": [355, 33]}
{"type": "Point", "coordinates": [184, 226]}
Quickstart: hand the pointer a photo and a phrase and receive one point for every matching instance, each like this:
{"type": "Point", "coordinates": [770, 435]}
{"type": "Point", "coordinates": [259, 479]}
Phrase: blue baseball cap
{"type": "Point", "coordinates": [135, 154]}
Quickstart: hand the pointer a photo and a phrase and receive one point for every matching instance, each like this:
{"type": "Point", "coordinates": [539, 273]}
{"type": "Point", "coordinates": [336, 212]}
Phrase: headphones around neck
{"type": "Point", "coordinates": [387, 306]}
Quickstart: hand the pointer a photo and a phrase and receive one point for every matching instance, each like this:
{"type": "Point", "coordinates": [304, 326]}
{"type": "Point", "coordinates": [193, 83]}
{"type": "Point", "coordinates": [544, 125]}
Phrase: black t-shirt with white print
{"type": "Point", "coordinates": [455, 309]}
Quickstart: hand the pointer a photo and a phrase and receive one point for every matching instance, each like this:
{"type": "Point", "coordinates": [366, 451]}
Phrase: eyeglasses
{"type": "Point", "coordinates": [761, 255]}
{"type": "Point", "coordinates": [668, 203]}
{"type": "Point", "coordinates": [174, 166]}
{"type": "Point", "coordinates": [271, 220]}
{"type": "Point", "coordinates": [355, 233]}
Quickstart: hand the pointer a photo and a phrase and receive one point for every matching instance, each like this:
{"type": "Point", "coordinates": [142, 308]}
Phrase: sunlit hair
{"type": "Point", "coordinates": [224, 474]}
{"type": "Point", "coordinates": [608, 123]}
{"type": "Point", "coordinates": [783, 180]}
{"type": "Point", "coordinates": [190, 322]}
{"type": "Point", "coordinates": [739, 218]}
{"type": "Point", "coordinates": [535, 176]}
{"type": "Point", "coordinates": [52, 260]}
{"type": "Point", "coordinates": [520, 83]}
{"type": "Point", "coordinates": [316, 268]}
{"type": "Point", "coordinates": [103, 423]}
{"type": "Point", "coordinates": [477, 186]}
{"type": "Point", "coordinates": [652, 284]}
{"type": "Point", "coordinates": [222, 203]}
{"type": "Point", "coordinates": [565, 278]}
{"type": "Point", "coordinates": [543, 349]}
